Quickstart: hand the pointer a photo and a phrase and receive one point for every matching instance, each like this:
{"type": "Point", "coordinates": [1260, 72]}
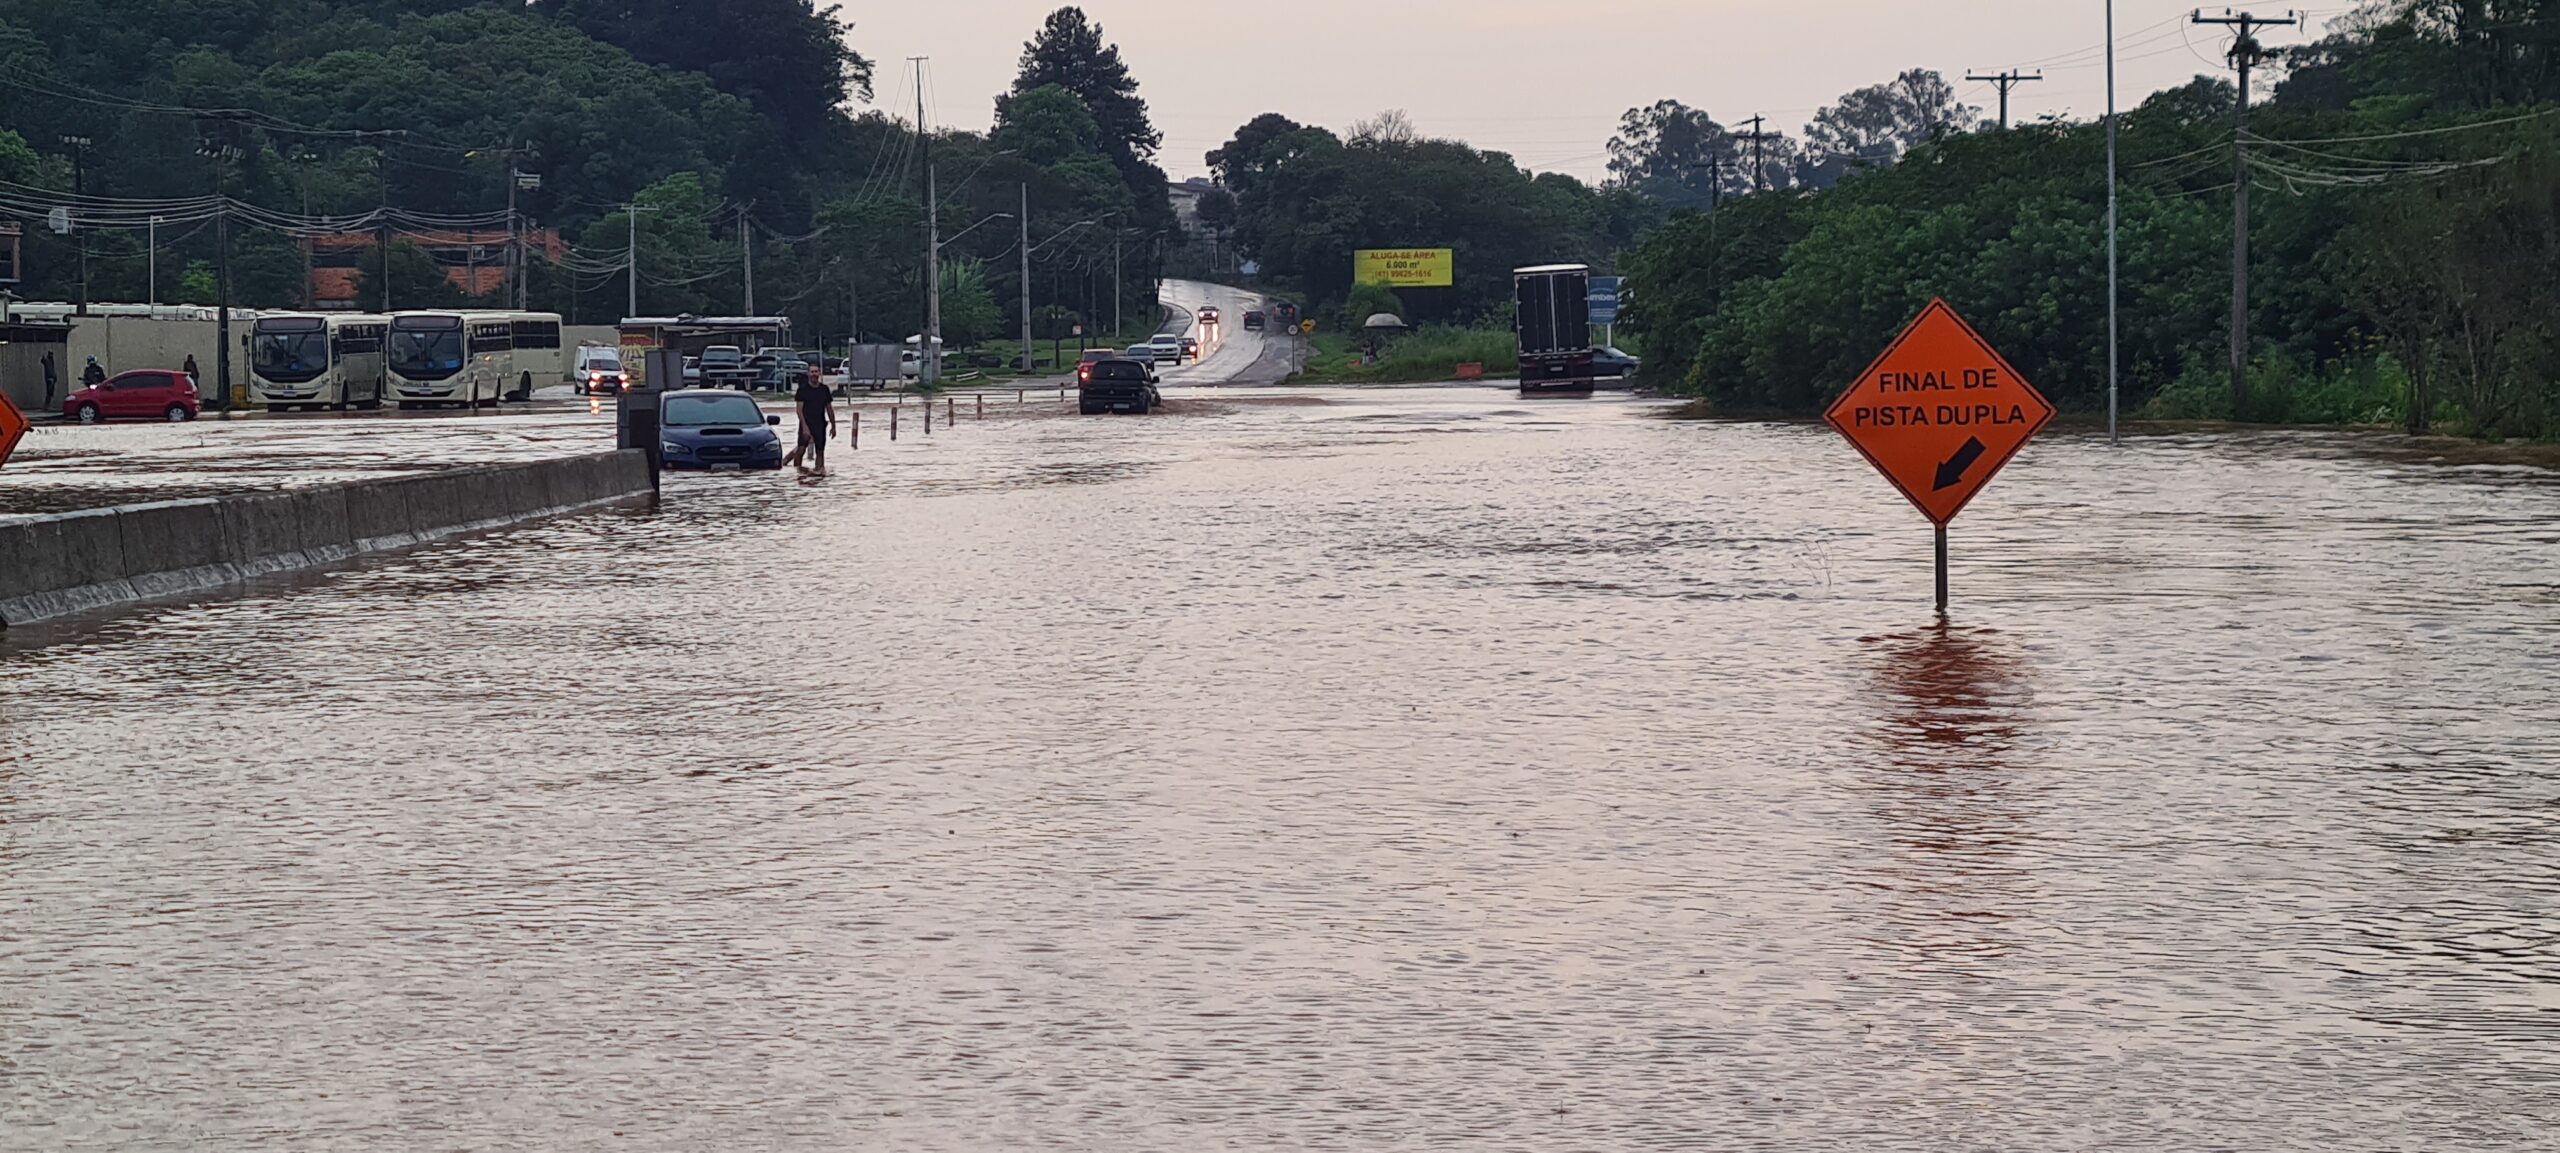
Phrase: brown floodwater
{"type": "Point", "coordinates": [1419, 769]}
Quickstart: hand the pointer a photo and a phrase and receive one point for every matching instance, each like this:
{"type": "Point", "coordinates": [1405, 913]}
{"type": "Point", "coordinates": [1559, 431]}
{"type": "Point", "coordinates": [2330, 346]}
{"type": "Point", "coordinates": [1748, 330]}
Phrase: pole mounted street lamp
{"type": "Point", "coordinates": [948, 241]}
{"type": "Point", "coordinates": [2111, 223]}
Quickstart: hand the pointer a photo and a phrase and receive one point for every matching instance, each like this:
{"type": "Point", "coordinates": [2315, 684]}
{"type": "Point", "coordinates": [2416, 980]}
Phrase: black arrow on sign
{"type": "Point", "coordinates": [1951, 473]}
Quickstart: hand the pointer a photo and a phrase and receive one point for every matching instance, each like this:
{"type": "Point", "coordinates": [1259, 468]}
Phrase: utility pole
{"type": "Point", "coordinates": [513, 280]}
{"type": "Point", "coordinates": [631, 258]}
{"type": "Point", "coordinates": [221, 155]}
{"type": "Point", "coordinates": [79, 146]}
{"type": "Point", "coordinates": [1025, 220]}
{"type": "Point", "coordinates": [382, 238]}
{"type": "Point", "coordinates": [222, 305]}
{"type": "Point", "coordinates": [2006, 81]}
{"type": "Point", "coordinates": [1115, 284]}
{"type": "Point", "coordinates": [2246, 53]}
{"type": "Point", "coordinates": [929, 357]}
{"type": "Point", "coordinates": [1759, 160]}
{"type": "Point", "coordinates": [747, 259]}
{"type": "Point", "coordinates": [151, 264]}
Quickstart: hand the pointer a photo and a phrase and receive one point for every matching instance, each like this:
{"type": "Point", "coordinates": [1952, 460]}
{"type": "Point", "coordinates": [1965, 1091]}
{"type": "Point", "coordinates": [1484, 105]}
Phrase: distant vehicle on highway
{"type": "Point", "coordinates": [1208, 315]}
{"type": "Point", "coordinates": [1090, 357]}
{"type": "Point", "coordinates": [778, 370]}
{"type": "Point", "coordinates": [1552, 317]}
{"type": "Point", "coordinates": [725, 366]}
{"type": "Point", "coordinates": [1120, 384]}
{"type": "Point", "coordinates": [142, 394]}
{"type": "Point", "coordinates": [1167, 346]}
{"type": "Point", "coordinates": [1190, 348]}
{"type": "Point", "coordinates": [1253, 321]}
{"type": "Point", "coordinates": [716, 428]}
{"type": "Point", "coordinates": [1145, 354]}
{"type": "Point", "coordinates": [1608, 361]}
{"type": "Point", "coordinates": [599, 370]}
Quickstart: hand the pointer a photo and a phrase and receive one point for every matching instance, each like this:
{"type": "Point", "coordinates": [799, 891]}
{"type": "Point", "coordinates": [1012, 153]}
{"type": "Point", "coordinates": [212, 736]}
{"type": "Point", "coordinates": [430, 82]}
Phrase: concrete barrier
{"type": "Point", "coordinates": [79, 562]}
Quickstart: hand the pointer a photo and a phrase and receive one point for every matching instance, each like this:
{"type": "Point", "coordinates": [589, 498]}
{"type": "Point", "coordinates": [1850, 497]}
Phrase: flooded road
{"type": "Point", "coordinates": [1380, 770]}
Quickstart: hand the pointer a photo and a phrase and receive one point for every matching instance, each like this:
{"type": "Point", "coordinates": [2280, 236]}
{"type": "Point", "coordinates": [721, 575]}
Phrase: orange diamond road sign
{"type": "Point", "coordinates": [13, 427]}
{"type": "Point", "coordinates": [1939, 413]}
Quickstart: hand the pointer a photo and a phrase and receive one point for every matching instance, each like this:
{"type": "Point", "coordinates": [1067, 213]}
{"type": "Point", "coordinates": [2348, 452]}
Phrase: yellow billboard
{"type": "Point", "coordinates": [1403, 267]}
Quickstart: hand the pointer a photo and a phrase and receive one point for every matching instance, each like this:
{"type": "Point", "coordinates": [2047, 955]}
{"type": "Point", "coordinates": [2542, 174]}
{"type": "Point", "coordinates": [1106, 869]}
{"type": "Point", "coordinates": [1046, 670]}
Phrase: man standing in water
{"type": "Point", "coordinates": [817, 423]}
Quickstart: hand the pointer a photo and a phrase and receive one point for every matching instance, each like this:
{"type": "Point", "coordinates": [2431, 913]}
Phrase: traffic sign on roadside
{"type": "Point", "coordinates": [1604, 299]}
{"type": "Point", "coordinates": [13, 427]}
{"type": "Point", "coordinates": [1938, 414]}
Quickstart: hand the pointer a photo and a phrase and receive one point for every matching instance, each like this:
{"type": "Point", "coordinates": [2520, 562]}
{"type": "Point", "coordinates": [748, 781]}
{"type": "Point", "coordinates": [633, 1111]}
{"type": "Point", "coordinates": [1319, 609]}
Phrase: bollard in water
{"type": "Point", "coordinates": [1017, 396]}
{"type": "Point", "coordinates": [928, 416]}
{"type": "Point", "coordinates": [893, 423]}
{"type": "Point", "coordinates": [950, 410]}
{"type": "Point", "coordinates": [982, 406]}
{"type": "Point", "coordinates": [857, 428]}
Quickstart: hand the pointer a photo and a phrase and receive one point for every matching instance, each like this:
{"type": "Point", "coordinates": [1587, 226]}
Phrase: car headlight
{"type": "Point", "coordinates": [671, 448]}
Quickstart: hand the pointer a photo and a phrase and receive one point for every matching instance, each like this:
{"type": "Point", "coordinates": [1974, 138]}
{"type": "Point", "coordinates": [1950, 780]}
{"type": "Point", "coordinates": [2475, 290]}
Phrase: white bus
{"type": "Point", "coordinates": [317, 360]}
{"type": "Point", "coordinates": [473, 358]}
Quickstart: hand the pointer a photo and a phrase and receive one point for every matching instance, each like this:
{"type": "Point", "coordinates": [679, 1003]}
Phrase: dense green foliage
{"type": "Point", "coordinates": [729, 121]}
{"type": "Point", "coordinates": [1306, 199]}
{"type": "Point", "coordinates": [2405, 226]}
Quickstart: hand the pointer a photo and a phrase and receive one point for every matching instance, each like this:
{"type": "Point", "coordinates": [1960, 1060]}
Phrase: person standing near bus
{"type": "Point", "coordinates": [93, 375]}
{"type": "Point", "coordinates": [193, 381]}
{"type": "Point", "coordinates": [817, 405]}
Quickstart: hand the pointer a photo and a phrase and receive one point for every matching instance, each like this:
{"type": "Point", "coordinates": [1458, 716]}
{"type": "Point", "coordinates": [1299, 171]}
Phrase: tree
{"type": "Point", "coordinates": [788, 58]}
{"type": "Point", "coordinates": [1070, 53]}
{"type": "Point", "coordinates": [1046, 125]}
{"type": "Point", "coordinates": [1391, 127]}
{"type": "Point", "coordinates": [1676, 154]}
{"type": "Point", "coordinates": [1877, 124]}
{"type": "Point", "coordinates": [1240, 161]}
{"type": "Point", "coordinates": [969, 311]}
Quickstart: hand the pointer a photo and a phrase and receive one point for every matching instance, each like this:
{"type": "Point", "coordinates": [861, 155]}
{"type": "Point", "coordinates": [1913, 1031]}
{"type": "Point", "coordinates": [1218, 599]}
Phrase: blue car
{"type": "Point", "coordinates": [716, 428]}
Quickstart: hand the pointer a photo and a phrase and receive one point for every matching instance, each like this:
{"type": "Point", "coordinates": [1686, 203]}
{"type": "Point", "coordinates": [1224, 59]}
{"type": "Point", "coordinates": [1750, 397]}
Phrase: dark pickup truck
{"type": "Point", "coordinates": [1116, 384]}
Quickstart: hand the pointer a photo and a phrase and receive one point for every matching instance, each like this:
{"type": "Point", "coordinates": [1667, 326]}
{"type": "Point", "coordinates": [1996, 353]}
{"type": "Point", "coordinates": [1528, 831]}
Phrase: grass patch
{"type": "Point", "coordinates": [1425, 354]}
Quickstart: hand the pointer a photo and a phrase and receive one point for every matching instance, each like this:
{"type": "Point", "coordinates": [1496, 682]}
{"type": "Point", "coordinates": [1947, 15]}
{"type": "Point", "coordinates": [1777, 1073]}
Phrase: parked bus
{"type": "Point", "coordinates": [1554, 324]}
{"type": "Point", "coordinates": [316, 360]}
{"type": "Point", "coordinates": [473, 358]}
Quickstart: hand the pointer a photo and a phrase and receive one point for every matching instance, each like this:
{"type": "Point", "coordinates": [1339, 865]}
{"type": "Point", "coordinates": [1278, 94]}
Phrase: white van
{"type": "Point", "coordinates": [1168, 347]}
{"type": "Point", "coordinates": [599, 370]}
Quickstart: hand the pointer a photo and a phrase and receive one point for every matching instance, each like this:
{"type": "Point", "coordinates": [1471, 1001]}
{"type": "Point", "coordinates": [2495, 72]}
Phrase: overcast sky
{"type": "Point", "coordinates": [1542, 80]}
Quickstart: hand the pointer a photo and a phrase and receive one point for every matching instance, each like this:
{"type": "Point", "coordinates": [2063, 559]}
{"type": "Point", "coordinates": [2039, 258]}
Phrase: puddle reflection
{"type": "Point", "coordinates": [1948, 792]}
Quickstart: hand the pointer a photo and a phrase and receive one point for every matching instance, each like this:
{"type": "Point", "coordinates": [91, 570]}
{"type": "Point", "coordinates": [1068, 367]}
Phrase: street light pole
{"type": "Point", "coordinates": [151, 264]}
{"type": "Point", "coordinates": [79, 146]}
{"type": "Point", "coordinates": [1025, 245]}
{"type": "Point", "coordinates": [631, 257]}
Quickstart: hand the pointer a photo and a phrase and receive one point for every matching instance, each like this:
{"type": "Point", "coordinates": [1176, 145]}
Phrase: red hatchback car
{"type": "Point", "coordinates": [142, 394]}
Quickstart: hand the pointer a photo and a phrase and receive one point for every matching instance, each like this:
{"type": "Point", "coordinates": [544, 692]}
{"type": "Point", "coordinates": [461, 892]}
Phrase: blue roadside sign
{"type": "Point", "coordinates": [1604, 299]}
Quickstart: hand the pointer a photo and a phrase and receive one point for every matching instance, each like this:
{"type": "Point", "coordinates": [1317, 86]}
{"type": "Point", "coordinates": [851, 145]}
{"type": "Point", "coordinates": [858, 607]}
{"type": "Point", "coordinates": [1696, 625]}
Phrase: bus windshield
{"type": "Point", "coordinates": [698, 411]}
{"type": "Point", "coordinates": [426, 353]}
{"type": "Point", "coordinates": [289, 357]}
